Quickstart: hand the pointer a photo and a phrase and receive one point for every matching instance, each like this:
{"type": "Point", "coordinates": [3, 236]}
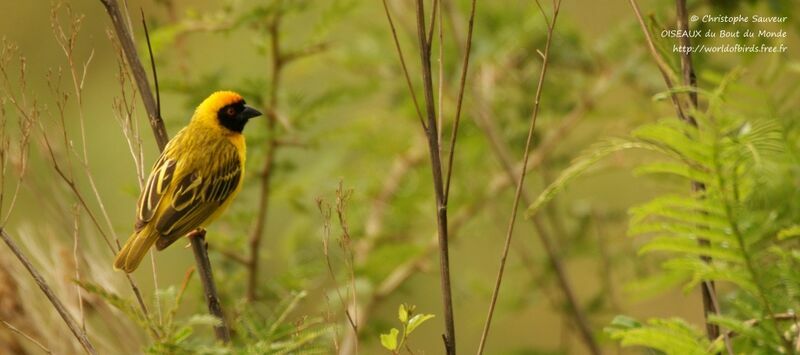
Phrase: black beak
{"type": "Point", "coordinates": [249, 113]}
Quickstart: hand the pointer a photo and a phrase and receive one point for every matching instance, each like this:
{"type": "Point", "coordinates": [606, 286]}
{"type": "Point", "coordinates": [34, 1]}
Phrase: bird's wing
{"type": "Point", "coordinates": [157, 185]}
{"type": "Point", "coordinates": [197, 196]}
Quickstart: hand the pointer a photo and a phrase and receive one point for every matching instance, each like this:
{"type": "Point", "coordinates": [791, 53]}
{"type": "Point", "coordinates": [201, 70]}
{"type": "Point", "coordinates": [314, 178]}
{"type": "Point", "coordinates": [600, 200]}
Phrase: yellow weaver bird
{"type": "Point", "coordinates": [197, 176]}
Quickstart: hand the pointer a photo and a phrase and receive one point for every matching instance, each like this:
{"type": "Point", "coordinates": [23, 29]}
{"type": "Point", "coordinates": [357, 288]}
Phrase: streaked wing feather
{"type": "Point", "coordinates": [157, 184]}
{"type": "Point", "coordinates": [196, 198]}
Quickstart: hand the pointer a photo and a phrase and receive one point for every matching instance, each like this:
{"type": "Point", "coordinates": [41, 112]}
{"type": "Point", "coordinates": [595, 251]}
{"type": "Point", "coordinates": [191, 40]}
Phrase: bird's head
{"type": "Point", "coordinates": [225, 109]}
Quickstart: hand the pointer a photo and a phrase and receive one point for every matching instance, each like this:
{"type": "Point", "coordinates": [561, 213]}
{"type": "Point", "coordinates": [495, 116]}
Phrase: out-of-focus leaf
{"type": "Point", "coordinates": [389, 340]}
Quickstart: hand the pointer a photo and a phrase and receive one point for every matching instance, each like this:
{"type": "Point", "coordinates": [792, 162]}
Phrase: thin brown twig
{"type": "Point", "coordinates": [663, 67]}
{"type": "Point", "coordinates": [26, 336]}
{"type": "Point", "coordinates": [436, 168]}
{"type": "Point", "coordinates": [198, 239]}
{"type": "Point", "coordinates": [152, 253]}
{"type": "Point", "coordinates": [402, 273]}
{"type": "Point", "coordinates": [345, 242]}
{"type": "Point", "coordinates": [440, 97]}
{"type": "Point", "coordinates": [325, 211]}
{"type": "Point", "coordinates": [280, 59]}
{"type": "Point", "coordinates": [403, 64]}
{"type": "Point", "coordinates": [500, 149]}
{"type": "Point", "coordinates": [265, 175]}
{"type": "Point", "coordinates": [459, 103]}
{"type": "Point", "coordinates": [152, 64]}
{"type": "Point", "coordinates": [74, 327]}
{"type": "Point", "coordinates": [125, 38]}
{"type": "Point", "coordinates": [520, 182]}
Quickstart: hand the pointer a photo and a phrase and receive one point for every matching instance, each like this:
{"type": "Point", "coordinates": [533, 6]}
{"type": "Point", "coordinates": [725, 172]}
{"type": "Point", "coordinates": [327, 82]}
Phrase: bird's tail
{"type": "Point", "coordinates": [135, 248]}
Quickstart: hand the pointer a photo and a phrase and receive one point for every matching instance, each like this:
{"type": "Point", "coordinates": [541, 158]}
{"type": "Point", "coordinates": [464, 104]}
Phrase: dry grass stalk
{"type": "Point", "coordinates": [348, 302]}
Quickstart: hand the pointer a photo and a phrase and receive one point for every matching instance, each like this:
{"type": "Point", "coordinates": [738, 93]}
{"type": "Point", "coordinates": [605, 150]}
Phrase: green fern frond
{"type": "Point", "coordinates": [671, 336]}
{"type": "Point", "coordinates": [580, 166]}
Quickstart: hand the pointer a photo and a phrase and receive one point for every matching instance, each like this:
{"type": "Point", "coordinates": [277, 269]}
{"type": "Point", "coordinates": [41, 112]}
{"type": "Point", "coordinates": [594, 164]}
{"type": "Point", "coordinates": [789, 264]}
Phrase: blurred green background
{"type": "Point", "coordinates": [348, 117]}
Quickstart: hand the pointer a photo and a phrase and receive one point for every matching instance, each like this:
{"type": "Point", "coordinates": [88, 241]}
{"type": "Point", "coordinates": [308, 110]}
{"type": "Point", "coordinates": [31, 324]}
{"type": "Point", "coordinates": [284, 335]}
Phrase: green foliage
{"type": "Point", "coordinates": [257, 331]}
{"type": "Point", "coordinates": [721, 230]}
{"type": "Point", "coordinates": [671, 336]}
{"type": "Point", "coordinates": [410, 322]}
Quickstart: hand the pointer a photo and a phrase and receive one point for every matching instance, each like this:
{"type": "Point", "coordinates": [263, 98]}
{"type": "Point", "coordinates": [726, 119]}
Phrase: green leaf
{"type": "Point", "coordinates": [689, 246]}
{"type": "Point", "coordinates": [389, 340]}
{"type": "Point", "coordinates": [671, 336]}
{"type": "Point", "coordinates": [673, 230]}
{"type": "Point", "coordinates": [625, 322]}
{"type": "Point", "coordinates": [790, 232]}
{"type": "Point", "coordinates": [402, 314]}
{"type": "Point", "coordinates": [417, 320]}
{"type": "Point", "coordinates": [679, 139]}
{"type": "Point", "coordinates": [672, 168]}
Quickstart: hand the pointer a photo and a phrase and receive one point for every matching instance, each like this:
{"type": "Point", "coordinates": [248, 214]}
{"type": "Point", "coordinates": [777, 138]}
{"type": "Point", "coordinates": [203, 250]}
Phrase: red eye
{"type": "Point", "coordinates": [230, 111]}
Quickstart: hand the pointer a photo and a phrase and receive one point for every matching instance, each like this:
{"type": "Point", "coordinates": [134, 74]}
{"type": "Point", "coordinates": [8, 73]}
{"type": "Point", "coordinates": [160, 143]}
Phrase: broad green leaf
{"type": "Point", "coordinates": [417, 320]}
{"type": "Point", "coordinates": [389, 340]}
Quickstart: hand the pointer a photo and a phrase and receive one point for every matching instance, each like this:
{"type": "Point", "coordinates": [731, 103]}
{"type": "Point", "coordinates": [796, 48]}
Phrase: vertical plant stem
{"type": "Point", "coordinates": [151, 105]}
{"type": "Point", "coordinates": [520, 182]}
{"type": "Point", "coordinates": [438, 182]}
{"type": "Point", "coordinates": [267, 170]}
{"type": "Point", "coordinates": [708, 288]}
{"type": "Point", "coordinates": [137, 69]}
{"type": "Point", "coordinates": [486, 124]}
{"type": "Point", "coordinates": [74, 327]}
{"type": "Point", "coordinates": [198, 238]}
{"type": "Point", "coordinates": [663, 67]}
{"type": "Point", "coordinates": [459, 102]}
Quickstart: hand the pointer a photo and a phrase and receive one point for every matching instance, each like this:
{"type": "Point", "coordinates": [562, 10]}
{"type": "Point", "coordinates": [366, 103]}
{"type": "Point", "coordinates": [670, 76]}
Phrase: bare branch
{"type": "Point", "coordinates": [436, 169]}
{"type": "Point", "coordinates": [198, 238]}
{"type": "Point", "coordinates": [459, 103]}
{"type": "Point", "coordinates": [403, 64]}
{"type": "Point", "coordinates": [125, 38]}
{"type": "Point", "coordinates": [520, 183]}
{"type": "Point", "coordinates": [62, 311]}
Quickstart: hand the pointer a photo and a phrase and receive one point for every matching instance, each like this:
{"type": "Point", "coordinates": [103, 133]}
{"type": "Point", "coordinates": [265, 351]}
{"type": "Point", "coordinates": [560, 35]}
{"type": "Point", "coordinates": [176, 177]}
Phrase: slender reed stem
{"type": "Point", "coordinates": [500, 149]}
{"type": "Point", "coordinates": [521, 180]}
